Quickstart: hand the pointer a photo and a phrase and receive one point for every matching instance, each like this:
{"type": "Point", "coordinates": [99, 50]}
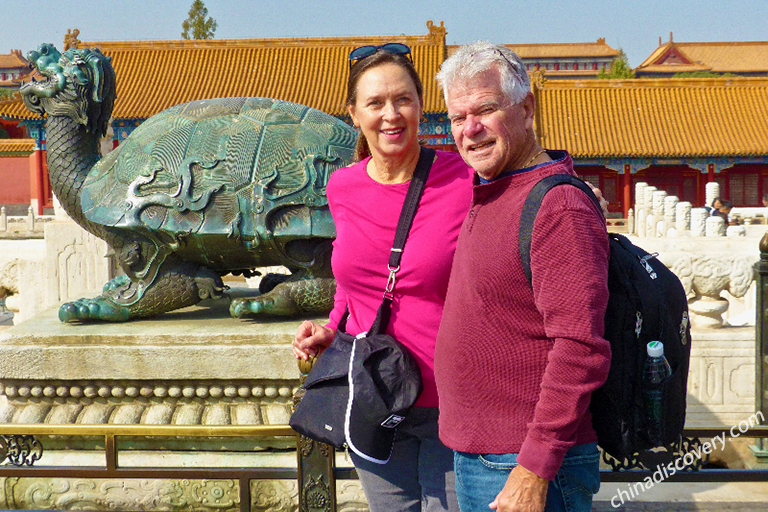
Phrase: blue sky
{"type": "Point", "coordinates": [635, 26]}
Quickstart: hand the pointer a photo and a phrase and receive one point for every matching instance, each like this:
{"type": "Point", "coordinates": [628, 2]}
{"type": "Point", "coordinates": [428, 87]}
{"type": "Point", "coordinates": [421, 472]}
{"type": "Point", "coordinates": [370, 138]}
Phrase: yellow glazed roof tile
{"type": "Point", "coordinates": [719, 57]}
{"type": "Point", "coordinates": [16, 146]}
{"type": "Point", "coordinates": [155, 75]}
{"type": "Point", "coordinates": [661, 118]}
{"type": "Point", "coordinates": [13, 108]}
{"type": "Point", "coordinates": [736, 57]}
{"type": "Point", "coordinates": [311, 71]}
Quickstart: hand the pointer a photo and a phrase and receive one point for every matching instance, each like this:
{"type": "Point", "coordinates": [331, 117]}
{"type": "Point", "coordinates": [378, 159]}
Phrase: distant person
{"type": "Point", "coordinates": [725, 211]}
{"type": "Point", "coordinates": [715, 208]}
{"type": "Point", "coordinates": [765, 204]}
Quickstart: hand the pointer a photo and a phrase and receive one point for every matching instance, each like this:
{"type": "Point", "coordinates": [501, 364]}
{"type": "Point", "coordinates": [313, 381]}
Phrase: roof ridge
{"type": "Point", "coordinates": [722, 43]}
{"type": "Point", "coordinates": [655, 83]}
{"type": "Point", "coordinates": [599, 42]}
{"type": "Point", "coordinates": [436, 35]}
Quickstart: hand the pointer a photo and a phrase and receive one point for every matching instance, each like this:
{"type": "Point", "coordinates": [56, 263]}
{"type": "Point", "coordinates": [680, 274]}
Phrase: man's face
{"type": "Point", "coordinates": [491, 133]}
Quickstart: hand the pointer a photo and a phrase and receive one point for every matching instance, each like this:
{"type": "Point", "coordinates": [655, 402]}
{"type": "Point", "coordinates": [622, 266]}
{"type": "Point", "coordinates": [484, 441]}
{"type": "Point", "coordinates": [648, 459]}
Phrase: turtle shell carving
{"type": "Point", "coordinates": [225, 173]}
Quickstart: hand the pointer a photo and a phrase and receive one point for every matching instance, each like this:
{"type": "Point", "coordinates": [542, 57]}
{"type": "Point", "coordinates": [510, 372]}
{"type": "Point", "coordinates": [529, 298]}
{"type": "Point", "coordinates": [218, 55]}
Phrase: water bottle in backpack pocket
{"type": "Point", "coordinates": [655, 373]}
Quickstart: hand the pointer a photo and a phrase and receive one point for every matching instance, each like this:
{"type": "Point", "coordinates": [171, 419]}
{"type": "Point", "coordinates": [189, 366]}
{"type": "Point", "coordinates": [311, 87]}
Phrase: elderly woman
{"type": "Point", "coordinates": [384, 99]}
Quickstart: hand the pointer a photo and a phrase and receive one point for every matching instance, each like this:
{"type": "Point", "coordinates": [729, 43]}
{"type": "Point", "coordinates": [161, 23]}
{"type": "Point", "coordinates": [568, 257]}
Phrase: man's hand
{"type": "Point", "coordinates": [525, 491]}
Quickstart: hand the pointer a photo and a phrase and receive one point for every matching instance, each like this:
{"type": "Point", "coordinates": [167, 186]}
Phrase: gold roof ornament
{"type": "Point", "coordinates": [71, 40]}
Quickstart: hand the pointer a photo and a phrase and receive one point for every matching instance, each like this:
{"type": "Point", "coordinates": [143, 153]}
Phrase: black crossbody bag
{"type": "Point", "coordinates": [361, 387]}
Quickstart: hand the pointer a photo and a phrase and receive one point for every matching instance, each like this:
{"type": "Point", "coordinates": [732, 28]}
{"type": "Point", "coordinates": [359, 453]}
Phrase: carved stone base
{"type": "Point", "coordinates": [106, 494]}
{"type": "Point", "coordinates": [210, 495]}
{"type": "Point", "coordinates": [193, 366]}
{"type": "Point", "coordinates": [707, 312]}
{"type": "Point", "coordinates": [162, 495]}
{"type": "Point", "coordinates": [721, 379]}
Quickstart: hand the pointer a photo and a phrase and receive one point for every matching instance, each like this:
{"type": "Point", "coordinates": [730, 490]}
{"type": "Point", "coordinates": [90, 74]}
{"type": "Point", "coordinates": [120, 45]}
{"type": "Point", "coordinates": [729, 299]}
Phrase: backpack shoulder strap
{"type": "Point", "coordinates": [531, 208]}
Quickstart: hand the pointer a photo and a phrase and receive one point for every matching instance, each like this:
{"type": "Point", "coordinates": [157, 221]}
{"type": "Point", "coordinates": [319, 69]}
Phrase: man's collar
{"type": "Point", "coordinates": [554, 155]}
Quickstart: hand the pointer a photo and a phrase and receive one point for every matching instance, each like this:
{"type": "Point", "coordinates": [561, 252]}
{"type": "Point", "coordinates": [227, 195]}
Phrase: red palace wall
{"type": "Point", "coordinates": [14, 180]}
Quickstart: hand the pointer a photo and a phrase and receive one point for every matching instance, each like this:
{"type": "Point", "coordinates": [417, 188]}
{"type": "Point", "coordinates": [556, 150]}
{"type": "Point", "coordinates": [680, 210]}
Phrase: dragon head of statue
{"type": "Point", "coordinates": [79, 83]}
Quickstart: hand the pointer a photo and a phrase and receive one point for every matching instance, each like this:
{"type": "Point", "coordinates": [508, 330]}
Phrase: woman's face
{"type": "Point", "coordinates": [387, 110]}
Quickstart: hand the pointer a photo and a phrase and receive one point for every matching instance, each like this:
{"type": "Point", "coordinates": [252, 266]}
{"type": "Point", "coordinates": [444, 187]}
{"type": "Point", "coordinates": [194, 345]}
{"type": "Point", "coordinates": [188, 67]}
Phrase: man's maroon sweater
{"type": "Point", "coordinates": [516, 366]}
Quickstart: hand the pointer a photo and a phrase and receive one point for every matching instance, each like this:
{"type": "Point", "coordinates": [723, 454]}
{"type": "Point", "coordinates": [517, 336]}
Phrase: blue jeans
{"type": "Point", "coordinates": [479, 478]}
{"type": "Point", "coordinates": [418, 476]}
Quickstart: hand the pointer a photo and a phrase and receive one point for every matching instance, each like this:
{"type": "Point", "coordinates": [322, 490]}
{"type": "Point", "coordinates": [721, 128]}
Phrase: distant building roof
{"type": "Point", "coordinates": [740, 58]}
{"type": "Point", "coordinates": [13, 60]}
{"type": "Point", "coordinates": [565, 55]}
{"type": "Point", "coordinates": [647, 118]}
{"type": "Point", "coordinates": [562, 50]}
{"type": "Point", "coordinates": [15, 64]}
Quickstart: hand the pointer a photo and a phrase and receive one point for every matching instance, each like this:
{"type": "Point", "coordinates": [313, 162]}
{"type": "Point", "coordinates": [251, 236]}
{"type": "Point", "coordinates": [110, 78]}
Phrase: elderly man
{"type": "Point", "coordinates": [516, 365]}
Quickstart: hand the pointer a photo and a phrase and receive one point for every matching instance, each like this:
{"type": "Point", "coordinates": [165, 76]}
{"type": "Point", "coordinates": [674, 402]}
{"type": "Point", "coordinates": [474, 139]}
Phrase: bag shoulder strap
{"type": "Point", "coordinates": [411, 203]}
{"type": "Point", "coordinates": [531, 208]}
{"type": "Point", "coordinates": [404, 223]}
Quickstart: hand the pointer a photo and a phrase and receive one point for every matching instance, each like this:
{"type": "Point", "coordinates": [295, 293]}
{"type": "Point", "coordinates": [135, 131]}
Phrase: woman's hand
{"type": "Point", "coordinates": [311, 339]}
{"type": "Point", "coordinates": [599, 194]}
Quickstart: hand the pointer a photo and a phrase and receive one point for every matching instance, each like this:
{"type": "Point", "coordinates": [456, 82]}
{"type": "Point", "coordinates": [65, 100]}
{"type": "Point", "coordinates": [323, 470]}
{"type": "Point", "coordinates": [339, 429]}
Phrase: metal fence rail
{"type": "Point", "coordinates": [19, 444]}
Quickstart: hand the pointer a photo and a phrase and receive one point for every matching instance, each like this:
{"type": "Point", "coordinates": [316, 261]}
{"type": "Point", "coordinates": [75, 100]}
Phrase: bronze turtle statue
{"type": "Point", "coordinates": [198, 191]}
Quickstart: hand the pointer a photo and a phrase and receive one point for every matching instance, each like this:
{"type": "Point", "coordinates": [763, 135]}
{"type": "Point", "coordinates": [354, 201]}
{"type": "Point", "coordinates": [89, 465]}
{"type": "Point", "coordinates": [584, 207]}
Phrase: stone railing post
{"type": "Point", "coordinates": [761, 342]}
{"type": "Point", "coordinates": [30, 219]}
{"type": "Point", "coordinates": [316, 462]}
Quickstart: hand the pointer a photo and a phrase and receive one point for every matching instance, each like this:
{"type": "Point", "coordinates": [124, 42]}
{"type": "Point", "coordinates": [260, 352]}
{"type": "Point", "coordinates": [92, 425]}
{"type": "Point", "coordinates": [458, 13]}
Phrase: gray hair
{"type": "Point", "coordinates": [474, 59]}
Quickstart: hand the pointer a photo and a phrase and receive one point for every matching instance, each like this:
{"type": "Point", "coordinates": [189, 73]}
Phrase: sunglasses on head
{"type": "Point", "coordinates": [366, 51]}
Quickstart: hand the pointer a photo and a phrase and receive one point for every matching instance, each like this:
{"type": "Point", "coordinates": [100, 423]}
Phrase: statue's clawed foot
{"type": "Point", "coordinates": [272, 303]}
{"type": "Point", "coordinates": [178, 285]}
{"type": "Point", "coordinates": [290, 298]}
{"type": "Point", "coordinates": [98, 308]}
{"type": "Point", "coordinates": [93, 309]}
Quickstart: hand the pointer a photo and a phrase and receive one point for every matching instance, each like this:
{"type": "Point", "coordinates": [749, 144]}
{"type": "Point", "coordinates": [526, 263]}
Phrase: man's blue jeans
{"type": "Point", "coordinates": [479, 478]}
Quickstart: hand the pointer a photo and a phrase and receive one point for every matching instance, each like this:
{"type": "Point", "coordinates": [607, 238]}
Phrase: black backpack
{"type": "Point", "coordinates": [646, 303]}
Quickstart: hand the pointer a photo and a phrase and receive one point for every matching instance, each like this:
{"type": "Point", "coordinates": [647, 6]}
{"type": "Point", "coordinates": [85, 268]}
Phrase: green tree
{"type": "Point", "coordinates": [701, 74]}
{"type": "Point", "coordinates": [197, 26]}
{"type": "Point", "coordinates": [619, 68]}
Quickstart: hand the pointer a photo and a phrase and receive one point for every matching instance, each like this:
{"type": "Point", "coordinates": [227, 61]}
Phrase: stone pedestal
{"type": "Point", "coordinates": [711, 191]}
{"type": "Point", "coordinates": [76, 262]}
{"type": "Point", "coordinates": [698, 221]}
{"type": "Point", "coordinates": [721, 380]}
{"type": "Point", "coordinates": [195, 366]}
{"type": "Point", "coordinates": [683, 217]}
{"type": "Point", "coordinates": [670, 215]}
{"type": "Point", "coordinates": [658, 198]}
{"type": "Point", "coordinates": [39, 274]}
{"type": "Point", "coordinates": [715, 226]}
